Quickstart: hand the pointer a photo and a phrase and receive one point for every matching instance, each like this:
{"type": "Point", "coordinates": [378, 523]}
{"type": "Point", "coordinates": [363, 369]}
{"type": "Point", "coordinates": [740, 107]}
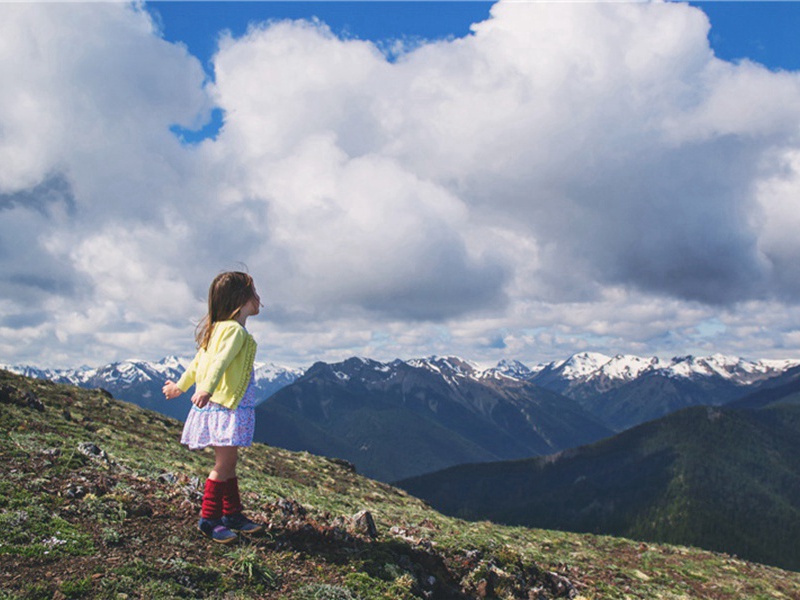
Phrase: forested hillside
{"type": "Point", "coordinates": [718, 478]}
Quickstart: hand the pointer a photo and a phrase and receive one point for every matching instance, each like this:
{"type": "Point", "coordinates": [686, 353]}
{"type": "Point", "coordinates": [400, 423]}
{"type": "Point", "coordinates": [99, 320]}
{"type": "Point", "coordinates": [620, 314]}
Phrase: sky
{"type": "Point", "coordinates": [511, 180]}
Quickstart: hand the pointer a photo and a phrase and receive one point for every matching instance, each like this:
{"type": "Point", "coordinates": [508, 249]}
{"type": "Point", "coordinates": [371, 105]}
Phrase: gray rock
{"type": "Point", "coordinates": [364, 524]}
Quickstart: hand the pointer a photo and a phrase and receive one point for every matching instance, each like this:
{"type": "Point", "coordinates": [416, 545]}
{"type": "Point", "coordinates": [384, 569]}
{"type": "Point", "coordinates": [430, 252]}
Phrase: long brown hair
{"type": "Point", "coordinates": [228, 293]}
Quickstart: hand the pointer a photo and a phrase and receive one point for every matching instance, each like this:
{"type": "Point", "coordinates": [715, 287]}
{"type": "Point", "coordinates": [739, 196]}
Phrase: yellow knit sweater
{"type": "Point", "coordinates": [225, 367]}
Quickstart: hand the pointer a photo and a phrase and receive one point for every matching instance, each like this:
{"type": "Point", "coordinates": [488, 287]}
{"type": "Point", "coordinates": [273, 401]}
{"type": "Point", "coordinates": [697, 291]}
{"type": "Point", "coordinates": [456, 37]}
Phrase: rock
{"type": "Point", "coordinates": [473, 555]}
{"type": "Point", "coordinates": [75, 491]}
{"type": "Point", "coordinates": [168, 478]}
{"type": "Point", "coordinates": [94, 452]}
{"type": "Point", "coordinates": [290, 508]}
{"type": "Point", "coordinates": [560, 586]}
{"type": "Point", "coordinates": [32, 401]}
{"type": "Point", "coordinates": [364, 524]}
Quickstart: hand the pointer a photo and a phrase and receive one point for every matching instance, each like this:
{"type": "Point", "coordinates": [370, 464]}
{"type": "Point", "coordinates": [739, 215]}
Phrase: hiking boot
{"type": "Point", "coordinates": [215, 530]}
{"type": "Point", "coordinates": [238, 522]}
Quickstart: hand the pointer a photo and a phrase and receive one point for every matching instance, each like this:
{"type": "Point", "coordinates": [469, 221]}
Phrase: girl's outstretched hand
{"type": "Point", "coordinates": [200, 399]}
{"type": "Point", "coordinates": [171, 390]}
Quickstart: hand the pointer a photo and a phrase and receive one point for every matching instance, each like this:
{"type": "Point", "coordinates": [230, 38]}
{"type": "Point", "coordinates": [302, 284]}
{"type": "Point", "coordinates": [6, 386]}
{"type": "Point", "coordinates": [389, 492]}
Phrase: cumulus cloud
{"type": "Point", "coordinates": [570, 175]}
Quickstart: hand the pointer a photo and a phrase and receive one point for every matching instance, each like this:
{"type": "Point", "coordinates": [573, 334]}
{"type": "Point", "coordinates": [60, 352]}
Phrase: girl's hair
{"type": "Point", "coordinates": [228, 293]}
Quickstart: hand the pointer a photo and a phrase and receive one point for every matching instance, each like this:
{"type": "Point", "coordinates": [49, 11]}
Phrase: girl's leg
{"type": "Point", "coordinates": [225, 463]}
{"type": "Point", "coordinates": [214, 499]}
{"type": "Point", "coordinates": [225, 469]}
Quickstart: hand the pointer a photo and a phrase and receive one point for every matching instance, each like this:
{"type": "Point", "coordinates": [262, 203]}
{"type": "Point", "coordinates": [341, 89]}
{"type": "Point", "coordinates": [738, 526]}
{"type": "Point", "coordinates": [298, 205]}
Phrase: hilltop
{"type": "Point", "coordinates": [99, 500]}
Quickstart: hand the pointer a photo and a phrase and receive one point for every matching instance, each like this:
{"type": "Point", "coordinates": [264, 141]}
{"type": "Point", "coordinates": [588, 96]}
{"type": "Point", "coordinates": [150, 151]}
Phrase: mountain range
{"type": "Point", "coordinates": [624, 391]}
{"type": "Point", "coordinates": [399, 419]}
{"type": "Point", "coordinates": [394, 420]}
{"type": "Point", "coordinates": [714, 477]}
{"type": "Point", "coordinates": [402, 418]}
{"type": "Point", "coordinates": [140, 381]}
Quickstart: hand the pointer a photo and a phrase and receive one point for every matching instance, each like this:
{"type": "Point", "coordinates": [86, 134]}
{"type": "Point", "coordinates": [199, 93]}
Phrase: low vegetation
{"type": "Point", "coordinates": [99, 500]}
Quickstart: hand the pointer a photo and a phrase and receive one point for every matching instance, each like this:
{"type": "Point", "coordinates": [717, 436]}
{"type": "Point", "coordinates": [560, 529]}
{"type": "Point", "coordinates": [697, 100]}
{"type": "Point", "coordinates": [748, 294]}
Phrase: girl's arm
{"type": "Point", "coordinates": [188, 378]}
{"type": "Point", "coordinates": [171, 390]}
{"type": "Point", "coordinates": [200, 399]}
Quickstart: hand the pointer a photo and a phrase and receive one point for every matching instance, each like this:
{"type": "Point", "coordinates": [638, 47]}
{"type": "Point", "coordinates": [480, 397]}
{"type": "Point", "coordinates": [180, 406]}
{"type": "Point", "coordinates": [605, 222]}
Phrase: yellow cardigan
{"type": "Point", "coordinates": [225, 367]}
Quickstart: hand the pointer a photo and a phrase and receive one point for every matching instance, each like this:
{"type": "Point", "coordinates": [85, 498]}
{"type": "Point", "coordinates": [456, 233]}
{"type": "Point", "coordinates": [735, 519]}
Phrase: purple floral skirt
{"type": "Point", "coordinates": [215, 425]}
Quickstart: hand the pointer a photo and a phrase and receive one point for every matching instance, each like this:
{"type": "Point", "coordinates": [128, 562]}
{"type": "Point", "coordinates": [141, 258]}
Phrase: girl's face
{"type": "Point", "coordinates": [253, 306]}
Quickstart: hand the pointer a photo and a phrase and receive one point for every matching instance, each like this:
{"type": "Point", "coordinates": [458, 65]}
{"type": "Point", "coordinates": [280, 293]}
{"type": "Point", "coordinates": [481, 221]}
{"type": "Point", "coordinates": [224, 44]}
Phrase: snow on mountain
{"type": "Point", "coordinates": [588, 367]}
{"type": "Point", "coordinates": [449, 367]}
{"type": "Point", "coordinates": [625, 367]}
{"type": "Point", "coordinates": [138, 381]}
{"type": "Point", "coordinates": [580, 365]}
{"type": "Point", "coordinates": [583, 368]}
{"type": "Point", "coordinates": [731, 368]}
{"type": "Point", "coordinates": [131, 377]}
{"type": "Point", "coordinates": [270, 372]}
{"type": "Point", "coordinates": [511, 368]}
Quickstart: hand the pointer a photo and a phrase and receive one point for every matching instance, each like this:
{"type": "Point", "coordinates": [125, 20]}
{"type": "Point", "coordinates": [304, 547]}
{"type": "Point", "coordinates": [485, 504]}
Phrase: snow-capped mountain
{"type": "Point", "coordinates": [401, 418]}
{"type": "Point", "coordinates": [732, 368]}
{"type": "Point", "coordinates": [621, 391]}
{"type": "Point", "coordinates": [626, 390]}
{"type": "Point", "coordinates": [594, 367]}
{"type": "Point", "coordinates": [140, 381]}
{"type": "Point", "coordinates": [514, 369]}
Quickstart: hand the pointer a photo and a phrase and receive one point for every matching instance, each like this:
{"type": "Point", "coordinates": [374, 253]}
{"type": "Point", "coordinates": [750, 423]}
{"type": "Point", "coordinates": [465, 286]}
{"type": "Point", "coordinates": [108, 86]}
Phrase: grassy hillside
{"type": "Point", "coordinates": [99, 500]}
{"type": "Point", "coordinates": [718, 478]}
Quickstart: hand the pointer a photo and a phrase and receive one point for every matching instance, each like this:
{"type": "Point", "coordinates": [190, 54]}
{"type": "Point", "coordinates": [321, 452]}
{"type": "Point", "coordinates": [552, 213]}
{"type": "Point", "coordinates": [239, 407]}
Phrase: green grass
{"type": "Point", "coordinates": [129, 534]}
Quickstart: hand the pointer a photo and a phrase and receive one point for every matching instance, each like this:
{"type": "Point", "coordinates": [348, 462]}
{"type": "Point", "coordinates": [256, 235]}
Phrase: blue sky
{"type": "Point", "coordinates": [520, 180]}
{"type": "Point", "coordinates": [764, 32]}
{"type": "Point", "coordinates": [198, 25]}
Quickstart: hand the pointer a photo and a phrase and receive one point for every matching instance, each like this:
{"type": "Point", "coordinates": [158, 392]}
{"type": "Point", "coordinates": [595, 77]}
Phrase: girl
{"type": "Point", "coordinates": [222, 415]}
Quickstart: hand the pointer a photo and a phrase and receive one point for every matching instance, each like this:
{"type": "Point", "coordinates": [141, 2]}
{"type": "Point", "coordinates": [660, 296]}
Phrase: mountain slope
{"type": "Point", "coordinates": [98, 500]}
{"type": "Point", "coordinates": [718, 478]}
{"type": "Point", "coordinates": [405, 418]}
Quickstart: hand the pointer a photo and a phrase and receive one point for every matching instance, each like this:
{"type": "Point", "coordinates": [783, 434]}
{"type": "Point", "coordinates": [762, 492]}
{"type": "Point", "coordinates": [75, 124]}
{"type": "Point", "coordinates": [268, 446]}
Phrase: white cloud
{"type": "Point", "coordinates": [570, 176]}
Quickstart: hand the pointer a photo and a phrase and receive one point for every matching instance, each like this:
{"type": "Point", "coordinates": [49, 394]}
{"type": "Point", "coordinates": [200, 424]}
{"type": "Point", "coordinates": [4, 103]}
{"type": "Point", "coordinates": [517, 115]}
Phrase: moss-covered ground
{"type": "Point", "coordinates": [99, 500]}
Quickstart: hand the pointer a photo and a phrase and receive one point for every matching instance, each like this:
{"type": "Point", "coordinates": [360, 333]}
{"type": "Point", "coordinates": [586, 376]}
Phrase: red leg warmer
{"type": "Point", "coordinates": [213, 499]}
{"type": "Point", "coordinates": [231, 503]}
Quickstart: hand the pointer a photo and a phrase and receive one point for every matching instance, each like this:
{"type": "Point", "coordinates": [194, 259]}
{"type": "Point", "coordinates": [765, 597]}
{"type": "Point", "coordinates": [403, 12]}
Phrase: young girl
{"type": "Point", "coordinates": [222, 415]}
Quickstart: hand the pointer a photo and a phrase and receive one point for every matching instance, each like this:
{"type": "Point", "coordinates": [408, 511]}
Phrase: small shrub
{"type": "Point", "coordinates": [77, 588]}
{"type": "Point", "coordinates": [369, 588]}
{"type": "Point", "coordinates": [247, 561]}
{"type": "Point", "coordinates": [111, 537]}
